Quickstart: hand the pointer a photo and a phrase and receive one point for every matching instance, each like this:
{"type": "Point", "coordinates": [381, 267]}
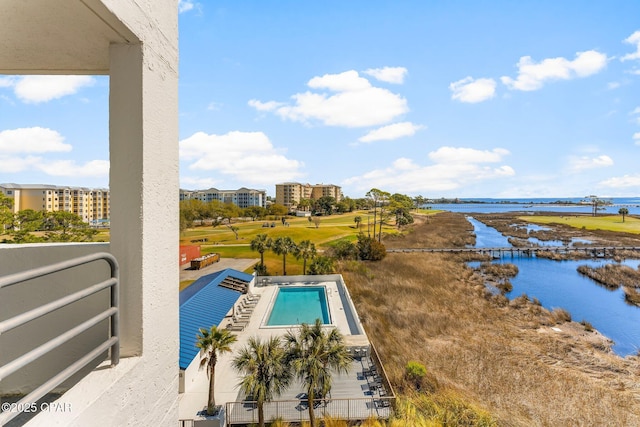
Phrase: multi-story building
{"type": "Point", "coordinates": [322, 190]}
{"type": "Point", "coordinates": [92, 205]}
{"type": "Point", "coordinates": [290, 194]}
{"type": "Point", "coordinates": [243, 197]}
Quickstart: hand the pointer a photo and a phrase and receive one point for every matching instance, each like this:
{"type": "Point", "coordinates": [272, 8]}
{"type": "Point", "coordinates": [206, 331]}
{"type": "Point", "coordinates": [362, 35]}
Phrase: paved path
{"type": "Point", "coordinates": [240, 264]}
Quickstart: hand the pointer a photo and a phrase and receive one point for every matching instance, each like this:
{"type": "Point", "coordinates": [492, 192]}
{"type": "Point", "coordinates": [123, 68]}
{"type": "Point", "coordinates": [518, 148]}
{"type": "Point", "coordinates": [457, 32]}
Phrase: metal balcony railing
{"type": "Point", "coordinates": [297, 411]}
{"type": "Point", "coordinates": [112, 313]}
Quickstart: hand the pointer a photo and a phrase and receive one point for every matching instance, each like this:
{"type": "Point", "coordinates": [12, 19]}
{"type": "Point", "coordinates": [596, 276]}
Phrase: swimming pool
{"type": "Point", "coordinates": [296, 305]}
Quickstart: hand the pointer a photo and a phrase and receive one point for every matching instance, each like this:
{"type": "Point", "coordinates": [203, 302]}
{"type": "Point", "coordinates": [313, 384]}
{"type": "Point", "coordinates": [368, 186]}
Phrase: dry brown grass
{"type": "Point", "coordinates": [612, 276]}
{"type": "Point", "coordinates": [432, 308]}
{"type": "Point", "coordinates": [632, 296]}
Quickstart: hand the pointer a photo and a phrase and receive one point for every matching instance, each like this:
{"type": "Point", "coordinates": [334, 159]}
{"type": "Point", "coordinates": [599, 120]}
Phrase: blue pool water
{"type": "Point", "coordinates": [297, 305]}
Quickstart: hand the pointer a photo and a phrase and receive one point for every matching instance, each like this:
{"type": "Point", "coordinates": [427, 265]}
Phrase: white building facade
{"type": "Point", "coordinates": [243, 197]}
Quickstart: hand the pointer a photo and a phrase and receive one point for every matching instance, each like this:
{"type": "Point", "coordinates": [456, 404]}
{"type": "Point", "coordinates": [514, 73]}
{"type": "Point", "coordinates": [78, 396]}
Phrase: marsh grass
{"type": "Point", "coordinates": [432, 308]}
{"type": "Point", "coordinates": [612, 276]}
{"type": "Point", "coordinates": [632, 296]}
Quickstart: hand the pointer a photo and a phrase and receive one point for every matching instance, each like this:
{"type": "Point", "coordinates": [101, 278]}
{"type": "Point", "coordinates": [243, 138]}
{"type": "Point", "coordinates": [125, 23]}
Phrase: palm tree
{"type": "Point", "coordinates": [623, 212]}
{"type": "Point", "coordinates": [212, 343]}
{"type": "Point", "coordinates": [265, 372]}
{"type": "Point", "coordinates": [357, 220]}
{"type": "Point", "coordinates": [312, 353]}
{"type": "Point", "coordinates": [261, 243]}
{"type": "Point", "coordinates": [283, 245]}
{"type": "Point", "coordinates": [305, 250]}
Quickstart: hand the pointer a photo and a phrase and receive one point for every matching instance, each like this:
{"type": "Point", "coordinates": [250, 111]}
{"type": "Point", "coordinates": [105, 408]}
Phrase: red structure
{"type": "Point", "coordinates": [188, 252]}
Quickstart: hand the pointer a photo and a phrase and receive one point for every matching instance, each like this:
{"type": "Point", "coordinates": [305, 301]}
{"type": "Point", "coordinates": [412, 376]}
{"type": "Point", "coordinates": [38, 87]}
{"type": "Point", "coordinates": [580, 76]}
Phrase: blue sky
{"type": "Point", "coordinates": [433, 98]}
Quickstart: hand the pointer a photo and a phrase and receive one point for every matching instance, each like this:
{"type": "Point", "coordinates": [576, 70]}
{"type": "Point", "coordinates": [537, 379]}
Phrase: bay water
{"type": "Point", "coordinates": [557, 284]}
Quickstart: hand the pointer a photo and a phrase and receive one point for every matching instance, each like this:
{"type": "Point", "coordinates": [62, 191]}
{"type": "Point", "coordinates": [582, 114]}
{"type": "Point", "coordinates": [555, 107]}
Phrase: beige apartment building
{"type": "Point", "coordinates": [243, 197]}
{"type": "Point", "coordinates": [92, 205]}
{"type": "Point", "coordinates": [289, 194]}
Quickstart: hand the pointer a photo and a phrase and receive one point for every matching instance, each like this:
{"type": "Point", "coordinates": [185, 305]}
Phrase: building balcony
{"type": "Point", "coordinates": [58, 322]}
{"type": "Point", "coordinates": [135, 43]}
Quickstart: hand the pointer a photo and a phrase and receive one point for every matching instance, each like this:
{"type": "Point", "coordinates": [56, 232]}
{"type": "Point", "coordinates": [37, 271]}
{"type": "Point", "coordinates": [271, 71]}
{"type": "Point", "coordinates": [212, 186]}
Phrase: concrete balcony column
{"type": "Point", "coordinates": [144, 204]}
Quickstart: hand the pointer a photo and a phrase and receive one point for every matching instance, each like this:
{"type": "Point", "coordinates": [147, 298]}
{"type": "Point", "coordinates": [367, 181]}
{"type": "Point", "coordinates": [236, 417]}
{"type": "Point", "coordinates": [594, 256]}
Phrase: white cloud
{"type": "Point", "coordinates": [7, 81]}
{"type": "Point", "coordinates": [185, 5]}
{"type": "Point", "coordinates": [394, 75]}
{"type": "Point", "coordinates": [579, 164]}
{"type": "Point", "coordinates": [32, 140]}
{"type": "Point", "coordinates": [13, 164]}
{"type": "Point", "coordinates": [265, 106]}
{"type": "Point", "coordinates": [532, 75]}
{"type": "Point", "coordinates": [622, 181]}
{"type": "Point", "coordinates": [473, 90]}
{"type": "Point", "coordinates": [636, 138]}
{"type": "Point", "coordinates": [390, 132]}
{"type": "Point", "coordinates": [92, 168]}
{"type": "Point", "coordinates": [68, 168]}
{"type": "Point", "coordinates": [356, 104]}
{"type": "Point", "coordinates": [613, 85]}
{"type": "Point", "coordinates": [37, 89]}
{"type": "Point", "coordinates": [633, 39]}
{"type": "Point", "coordinates": [453, 155]}
{"type": "Point", "coordinates": [247, 156]}
{"type": "Point", "coordinates": [636, 113]}
{"type": "Point", "coordinates": [349, 81]}
{"type": "Point", "coordinates": [452, 168]}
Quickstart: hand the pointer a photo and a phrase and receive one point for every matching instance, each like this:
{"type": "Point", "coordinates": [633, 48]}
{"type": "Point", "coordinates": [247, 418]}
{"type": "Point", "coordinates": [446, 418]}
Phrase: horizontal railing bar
{"type": "Point", "coordinates": [61, 377]}
{"type": "Point", "coordinates": [23, 318]}
{"type": "Point", "coordinates": [328, 399]}
{"type": "Point", "coordinates": [52, 344]}
{"type": "Point", "coordinates": [34, 273]}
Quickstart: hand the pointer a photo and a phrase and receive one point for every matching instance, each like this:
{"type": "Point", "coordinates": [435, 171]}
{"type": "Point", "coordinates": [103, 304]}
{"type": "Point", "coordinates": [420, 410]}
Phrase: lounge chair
{"type": "Point", "coordinates": [241, 319]}
{"type": "Point", "coordinates": [246, 303]}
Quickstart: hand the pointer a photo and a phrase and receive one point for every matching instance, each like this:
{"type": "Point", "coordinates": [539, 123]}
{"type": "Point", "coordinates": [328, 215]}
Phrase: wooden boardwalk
{"type": "Point", "coordinates": [598, 251]}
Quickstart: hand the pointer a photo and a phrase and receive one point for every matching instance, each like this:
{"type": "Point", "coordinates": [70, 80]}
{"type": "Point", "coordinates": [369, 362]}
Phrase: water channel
{"type": "Point", "coordinates": [558, 284]}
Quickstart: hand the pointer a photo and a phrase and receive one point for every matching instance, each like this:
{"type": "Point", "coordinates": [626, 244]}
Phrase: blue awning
{"type": "Point", "coordinates": [202, 305]}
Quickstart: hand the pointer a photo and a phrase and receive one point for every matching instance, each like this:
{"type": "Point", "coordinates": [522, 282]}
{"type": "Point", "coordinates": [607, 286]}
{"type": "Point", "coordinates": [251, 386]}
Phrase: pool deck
{"type": "Point", "coordinates": [195, 396]}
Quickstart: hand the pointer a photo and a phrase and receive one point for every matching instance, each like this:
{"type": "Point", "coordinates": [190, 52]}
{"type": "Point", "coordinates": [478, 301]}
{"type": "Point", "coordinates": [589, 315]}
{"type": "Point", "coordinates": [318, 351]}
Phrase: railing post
{"type": "Point", "coordinates": [115, 319]}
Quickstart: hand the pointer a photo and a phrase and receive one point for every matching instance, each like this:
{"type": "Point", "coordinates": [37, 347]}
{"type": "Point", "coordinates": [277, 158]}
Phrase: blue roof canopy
{"type": "Point", "coordinates": [202, 305]}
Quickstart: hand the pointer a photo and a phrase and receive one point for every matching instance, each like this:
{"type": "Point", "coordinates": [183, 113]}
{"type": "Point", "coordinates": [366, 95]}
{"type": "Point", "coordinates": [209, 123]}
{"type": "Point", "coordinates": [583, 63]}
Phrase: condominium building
{"type": "Point", "coordinates": [290, 194]}
{"type": "Point", "coordinates": [243, 197]}
{"type": "Point", "coordinates": [92, 205]}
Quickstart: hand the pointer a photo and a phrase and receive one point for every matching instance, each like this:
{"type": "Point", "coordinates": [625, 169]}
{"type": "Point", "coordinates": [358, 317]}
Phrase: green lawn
{"type": "Point", "coordinates": [330, 228]}
{"type": "Point", "coordinates": [608, 222]}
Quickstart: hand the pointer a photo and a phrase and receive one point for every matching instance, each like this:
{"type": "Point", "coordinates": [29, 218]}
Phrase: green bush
{"type": "Point", "coordinates": [415, 373]}
{"type": "Point", "coordinates": [369, 249]}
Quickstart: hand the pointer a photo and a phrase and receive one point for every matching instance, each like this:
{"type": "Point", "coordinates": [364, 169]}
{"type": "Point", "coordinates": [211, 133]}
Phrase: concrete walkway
{"type": "Point", "coordinates": [240, 264]}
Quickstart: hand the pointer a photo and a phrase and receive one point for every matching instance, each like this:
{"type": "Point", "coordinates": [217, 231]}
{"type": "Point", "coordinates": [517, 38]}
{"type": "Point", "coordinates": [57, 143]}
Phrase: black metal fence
{"type": "Point", "coordinates": [246, 412]}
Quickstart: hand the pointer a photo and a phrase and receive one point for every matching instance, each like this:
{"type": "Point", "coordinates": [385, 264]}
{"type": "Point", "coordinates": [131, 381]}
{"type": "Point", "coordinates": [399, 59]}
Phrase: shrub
{"type": "Point", "coordinates": [415, 373]}
{"type": "Point", "coordinates": [587, 326]}
{"type": "Point", "coordinates": [505, 287]}
{"type": "Point", "coordinates": [344, 249]}
{"type": "Point", "coordinates": [560, 315]}
{"type": "Point", "coordinates": [370, 249]}
{"type": "Point", "coordinates": [321, 265]}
